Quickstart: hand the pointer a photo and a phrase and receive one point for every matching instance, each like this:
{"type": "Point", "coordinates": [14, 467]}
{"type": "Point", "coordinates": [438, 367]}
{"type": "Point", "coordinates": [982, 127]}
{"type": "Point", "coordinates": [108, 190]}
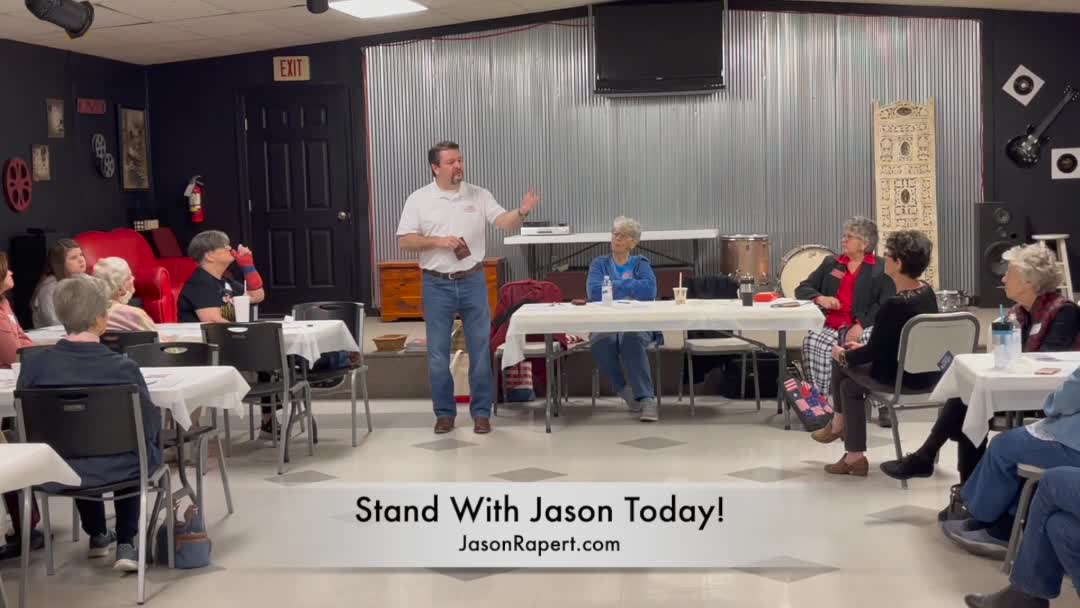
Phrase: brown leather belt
{"type": "Point", "coordinates": [454, 276]}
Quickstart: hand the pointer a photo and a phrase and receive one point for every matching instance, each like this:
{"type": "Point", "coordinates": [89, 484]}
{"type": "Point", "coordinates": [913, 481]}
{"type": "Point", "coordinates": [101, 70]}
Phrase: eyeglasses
{"type": "Point", "coordinates": [846, 236]}
{"type": "Point", "coordinates": [621, 236]}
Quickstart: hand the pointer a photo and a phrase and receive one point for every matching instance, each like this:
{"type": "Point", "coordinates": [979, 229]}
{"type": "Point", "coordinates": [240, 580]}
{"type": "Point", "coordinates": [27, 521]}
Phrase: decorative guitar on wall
{"type": "Point", "coordinates": [1025, 150]}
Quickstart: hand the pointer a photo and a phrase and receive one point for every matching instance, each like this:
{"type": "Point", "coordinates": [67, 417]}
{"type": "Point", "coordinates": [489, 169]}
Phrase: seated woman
{"type": "Point", "coordinates": [861, 368]}
{"type": "Point", "coordinates": [116, 274]}
{"type": "Point", "coordinates": [992, 493]}
{"type": "Point", "coordinates": [632, 278]}
{"type": "Point", "coordinates": [12, 338]}
{"type": "Point", "coordinates": [1048, 323]}
{"type": "Point", "coordinates": [851, 288]}
{"type": "Point", "coordinates": [1050, 546]}
{"type": "Point", "coordinates": [79, 359]}
{"type": "Point", "coordinates": [65, 260]}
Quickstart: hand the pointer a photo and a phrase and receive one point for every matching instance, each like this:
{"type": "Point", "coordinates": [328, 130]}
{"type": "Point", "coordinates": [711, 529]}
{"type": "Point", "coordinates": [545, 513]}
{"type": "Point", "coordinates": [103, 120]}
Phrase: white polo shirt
{"type": "Point", "coordinates": [432, 211]}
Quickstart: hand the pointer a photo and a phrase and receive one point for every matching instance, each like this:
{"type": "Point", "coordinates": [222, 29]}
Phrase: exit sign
{"type": "Point", "coordinates": [292, 68]}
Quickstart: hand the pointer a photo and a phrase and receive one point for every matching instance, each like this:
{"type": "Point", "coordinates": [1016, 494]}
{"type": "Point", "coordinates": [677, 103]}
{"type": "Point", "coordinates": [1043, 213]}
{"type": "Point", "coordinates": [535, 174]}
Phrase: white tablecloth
{"type": "Point", "coordinates": [29, 464]}
{"type": "Point", "coordinates": [604, 237]}
{"type": "Point", "coordinates": [307, 339]}
{"type": "Point", "coordinates": [729, 315]}
{"type": "Point", "coordinates": [181, 390]}
{"type": "Point", "coordinates": [986, 390]}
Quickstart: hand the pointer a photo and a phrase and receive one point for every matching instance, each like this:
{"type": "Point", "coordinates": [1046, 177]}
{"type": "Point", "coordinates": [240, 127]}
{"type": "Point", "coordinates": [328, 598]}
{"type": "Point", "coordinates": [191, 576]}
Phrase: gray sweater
{"type": "Point", "coordinates": [44, 311]}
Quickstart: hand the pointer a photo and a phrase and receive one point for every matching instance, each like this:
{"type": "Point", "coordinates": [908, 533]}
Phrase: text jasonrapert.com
{"type": "Point", "coordinates": [493, 510]}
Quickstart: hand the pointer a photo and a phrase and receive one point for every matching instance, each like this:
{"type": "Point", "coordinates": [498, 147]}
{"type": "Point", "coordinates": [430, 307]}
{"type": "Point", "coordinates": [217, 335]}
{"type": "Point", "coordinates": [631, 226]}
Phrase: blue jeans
{"type": "Point", "coordinates": [443, 298]}
{"type": "Point", "coordinates": [994, 488]}
{"type": "Point", "coordinates": [1051, 547]}
{"type": "Point", "coordinates": [613, 352]}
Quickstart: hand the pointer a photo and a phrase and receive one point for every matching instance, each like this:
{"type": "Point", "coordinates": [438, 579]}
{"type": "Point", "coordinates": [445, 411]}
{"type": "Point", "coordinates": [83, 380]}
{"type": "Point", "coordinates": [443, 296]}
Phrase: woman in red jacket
{"type": "Point", "coordinates": [12, 338]}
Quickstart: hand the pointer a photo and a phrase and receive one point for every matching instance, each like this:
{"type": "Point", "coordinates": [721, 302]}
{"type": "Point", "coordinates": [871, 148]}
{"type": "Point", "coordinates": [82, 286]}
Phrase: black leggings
{"type": "Point", "coordinates": [950, 425]}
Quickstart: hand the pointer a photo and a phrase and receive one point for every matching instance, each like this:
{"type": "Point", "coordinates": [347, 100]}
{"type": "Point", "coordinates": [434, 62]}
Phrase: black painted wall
{"type": "Point", "coordinates": [197, 125]}
{"type": "Point", "coordinates": [77, 198]}
{"type": "Point", "coordinates": [1049, 45]}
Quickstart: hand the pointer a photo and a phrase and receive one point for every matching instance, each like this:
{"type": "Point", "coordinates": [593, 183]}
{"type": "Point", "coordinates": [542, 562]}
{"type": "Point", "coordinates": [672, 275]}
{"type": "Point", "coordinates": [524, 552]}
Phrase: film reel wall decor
{"type": "Point", "coordinates": [103, 159]}
{"type": "Point", "coordinates": [18, 184]}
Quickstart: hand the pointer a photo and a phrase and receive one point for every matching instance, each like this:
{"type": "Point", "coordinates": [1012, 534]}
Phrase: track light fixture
{"type": "Point", "coordinates": [318, 6]}
{"type": "Point", "coordinates": [75, 17]}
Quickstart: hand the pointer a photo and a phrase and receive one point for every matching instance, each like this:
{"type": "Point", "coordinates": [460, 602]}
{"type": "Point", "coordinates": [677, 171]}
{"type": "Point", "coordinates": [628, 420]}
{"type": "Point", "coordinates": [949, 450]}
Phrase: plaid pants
{"type": "Point", "coordinates": [817, 356]}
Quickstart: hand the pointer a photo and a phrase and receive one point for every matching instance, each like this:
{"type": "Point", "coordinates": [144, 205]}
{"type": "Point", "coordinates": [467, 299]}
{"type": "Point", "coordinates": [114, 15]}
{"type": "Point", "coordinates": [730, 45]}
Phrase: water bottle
{"type": "Point", "coordinates": [1000, 338]}
{"type": "Point", "coordinates": [607, 297]}
{"type": "Point", "coordinates": [1016, 340]}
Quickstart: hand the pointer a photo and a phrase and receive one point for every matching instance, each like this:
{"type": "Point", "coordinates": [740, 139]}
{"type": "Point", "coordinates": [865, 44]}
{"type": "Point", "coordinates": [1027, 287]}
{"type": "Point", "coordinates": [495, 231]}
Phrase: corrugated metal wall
{"type": "Point", "coordinates": [785, 149]}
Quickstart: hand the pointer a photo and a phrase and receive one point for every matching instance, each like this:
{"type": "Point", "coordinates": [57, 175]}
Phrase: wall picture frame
{"type": "Point", "coordinates": [54, 116]}
{"type": "Point", "coordinates": [134, 148]}
{"type": "Point", "coordinates": [40, 166]}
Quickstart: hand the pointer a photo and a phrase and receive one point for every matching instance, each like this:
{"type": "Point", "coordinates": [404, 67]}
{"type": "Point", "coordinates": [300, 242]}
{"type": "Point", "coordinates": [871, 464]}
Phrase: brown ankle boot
{"type": "Point", "coordinates": [859, 469]}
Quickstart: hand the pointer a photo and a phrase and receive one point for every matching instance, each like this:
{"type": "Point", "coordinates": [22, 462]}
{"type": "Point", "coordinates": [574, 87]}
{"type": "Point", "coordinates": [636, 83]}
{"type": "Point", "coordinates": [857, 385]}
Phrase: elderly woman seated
{"type": "Point", "coordinates": [632, 278]}
{"type": "Point", "coordinates": [851, 288]}
{"type": "Point", "coordinates": [1048, 323]}
{"type": "Point", "coordinates": [116, 274]}
{"type": "Point", "coordinates": [992, 493]}
{"type": "Point", "coordinates": [1051, 544]}
{"type": "Point", "coordinates": [873, 366]}
{"type": "Point", "coordinates": [79, 359]}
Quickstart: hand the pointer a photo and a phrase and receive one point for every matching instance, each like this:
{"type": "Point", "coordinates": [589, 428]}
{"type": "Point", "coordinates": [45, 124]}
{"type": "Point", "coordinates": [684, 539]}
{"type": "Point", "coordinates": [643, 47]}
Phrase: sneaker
{"type": "Point", "coordinates": [13, 544]}
{"type": "Point", "coordinates": [975, 538]}
{"type": "Point", "coordinates": [912, 465]}
{"type": "Point", "coordinates": [127, 558]}
{"type": "Point", "coordinates": [627, 395]}
{"type": "Point", "coordinates": [1009, 597]}
{"type": "Point", "coordinates": [100, 544]}
{"type": "Point", "coordinates": [266, 431]}
{"type": "Point", "coordinates": [650, 412]}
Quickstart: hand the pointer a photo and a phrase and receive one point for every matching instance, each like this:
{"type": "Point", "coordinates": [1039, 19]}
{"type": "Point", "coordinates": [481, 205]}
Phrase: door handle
{"type": "Point", "coordinates": [344, 216]}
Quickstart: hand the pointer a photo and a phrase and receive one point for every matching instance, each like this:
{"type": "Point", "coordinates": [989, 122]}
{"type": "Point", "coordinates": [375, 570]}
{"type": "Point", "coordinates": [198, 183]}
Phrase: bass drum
{"type": "Point", "coordinates": [798, 264]}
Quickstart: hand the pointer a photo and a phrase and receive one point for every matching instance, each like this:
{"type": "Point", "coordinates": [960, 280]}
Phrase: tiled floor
{"type": "Point", "coordinates": [863, 542]}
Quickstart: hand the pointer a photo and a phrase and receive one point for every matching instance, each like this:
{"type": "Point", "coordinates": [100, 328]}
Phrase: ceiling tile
{"type": "Point", "coordinates": [164, 10]}
{"type": "Point", "coordinates": [18, 26]}
{"type": "Point", "coordinates": [299, 19]}
{"type": "Point", "coordinates": [222, 26]}
{"type": "Point", "coordinates": [469, 11]}
{"type": "Point", "coordinates": [144, 34]}
{"type": "Point", "coordinates": [106, 17]}
{"type": "Point", "coordinates": [253, 5]}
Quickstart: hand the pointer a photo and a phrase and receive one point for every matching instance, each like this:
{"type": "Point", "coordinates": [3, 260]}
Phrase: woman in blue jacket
{"type": "Point", "coordinates": [632, 278]}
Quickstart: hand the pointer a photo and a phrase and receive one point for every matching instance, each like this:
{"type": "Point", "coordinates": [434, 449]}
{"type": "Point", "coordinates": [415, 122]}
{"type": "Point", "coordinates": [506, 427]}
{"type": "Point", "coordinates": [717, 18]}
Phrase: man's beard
{"type": "Point", "coordinates": [457, 178]}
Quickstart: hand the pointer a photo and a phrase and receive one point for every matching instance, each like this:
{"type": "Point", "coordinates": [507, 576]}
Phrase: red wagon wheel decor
{"type": "Point", "coordinates": [18, 186]}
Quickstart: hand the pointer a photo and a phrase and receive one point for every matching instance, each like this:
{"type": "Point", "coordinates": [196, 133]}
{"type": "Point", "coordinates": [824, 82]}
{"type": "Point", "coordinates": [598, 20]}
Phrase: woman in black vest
{"type": "Point", "coordinates": [1048, 323]}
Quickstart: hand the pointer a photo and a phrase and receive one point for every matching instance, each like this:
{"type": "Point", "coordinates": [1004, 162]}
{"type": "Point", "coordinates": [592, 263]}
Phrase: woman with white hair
{"type": "Point", "coordinates": [116, 274]}
{"type": "Point", "coordinates": [632, 278]}
{"type": "Point", "coordinates": [1048, 322]}
{"type": "Point", "coordinates": [850, 288]}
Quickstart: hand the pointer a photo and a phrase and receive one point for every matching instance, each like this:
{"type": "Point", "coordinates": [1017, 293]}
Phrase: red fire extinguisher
{"type": "Point", "coordinates": [194, 194]}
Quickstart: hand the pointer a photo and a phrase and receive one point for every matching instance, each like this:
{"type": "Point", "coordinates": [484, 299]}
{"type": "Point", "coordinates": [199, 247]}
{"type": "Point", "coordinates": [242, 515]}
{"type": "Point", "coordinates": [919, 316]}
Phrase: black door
{"type": "Point", "coordinates": [299, 176]}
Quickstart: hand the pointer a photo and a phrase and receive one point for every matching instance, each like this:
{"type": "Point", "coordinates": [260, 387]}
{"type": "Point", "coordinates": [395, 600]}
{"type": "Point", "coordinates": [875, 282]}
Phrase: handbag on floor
{"type": "Point", "coordinates": [192, 542]}
{"type": "Point", "coordinates": [810, 405]}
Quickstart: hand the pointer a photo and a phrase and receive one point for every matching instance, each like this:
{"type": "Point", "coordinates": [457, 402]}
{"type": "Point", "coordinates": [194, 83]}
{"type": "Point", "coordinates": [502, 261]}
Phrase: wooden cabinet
{"type": "Point", "coordinates": [400, 285]}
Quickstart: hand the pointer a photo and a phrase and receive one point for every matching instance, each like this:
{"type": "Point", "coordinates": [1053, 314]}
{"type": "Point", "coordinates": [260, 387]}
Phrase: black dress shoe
{"type": "Point", "coordinates": [912, 465]}
{"type": "Point", "coordinates": [883, 419]}
{"type": "Point", "coordinates": [1006, 598]}
{"type": "Point", "coordinates": [13, 546]}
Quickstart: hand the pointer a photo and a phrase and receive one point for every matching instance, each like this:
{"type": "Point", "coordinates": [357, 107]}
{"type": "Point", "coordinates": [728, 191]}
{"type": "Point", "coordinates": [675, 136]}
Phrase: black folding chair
{"type": "Point", "coordinates": [62, 418]}
{"type": "Point", "coordinates": [120, 341]}
{"type": "Point", "coordinates": [30, 351]}
{"type": "Point", "coordinates": [260, 348]}
{"type": "Point", "coordinates": [352, 314]}
{"type": "Point", "coordinates": [189, 354]}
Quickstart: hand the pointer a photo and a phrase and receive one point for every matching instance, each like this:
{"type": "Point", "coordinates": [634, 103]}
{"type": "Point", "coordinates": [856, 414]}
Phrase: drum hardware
{"type": "Point", "coordinates": [746, 254]}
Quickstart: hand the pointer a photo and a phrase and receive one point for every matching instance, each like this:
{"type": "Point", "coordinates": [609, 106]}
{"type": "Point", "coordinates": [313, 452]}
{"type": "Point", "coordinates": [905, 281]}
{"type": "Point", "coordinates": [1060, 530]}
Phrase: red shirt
{"type": "Point", "coordinates": [12, 337]}
{"type": "Point", "coordinates": [841, 317]}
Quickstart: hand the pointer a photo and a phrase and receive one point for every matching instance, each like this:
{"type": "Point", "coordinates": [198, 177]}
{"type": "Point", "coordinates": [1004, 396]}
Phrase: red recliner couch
{"type": "Point", "coordinates": [153, 283]}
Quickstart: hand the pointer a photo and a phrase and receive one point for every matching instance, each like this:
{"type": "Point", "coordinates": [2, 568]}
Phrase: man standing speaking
{"type": "Point", "coordinates": [444, 222]}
